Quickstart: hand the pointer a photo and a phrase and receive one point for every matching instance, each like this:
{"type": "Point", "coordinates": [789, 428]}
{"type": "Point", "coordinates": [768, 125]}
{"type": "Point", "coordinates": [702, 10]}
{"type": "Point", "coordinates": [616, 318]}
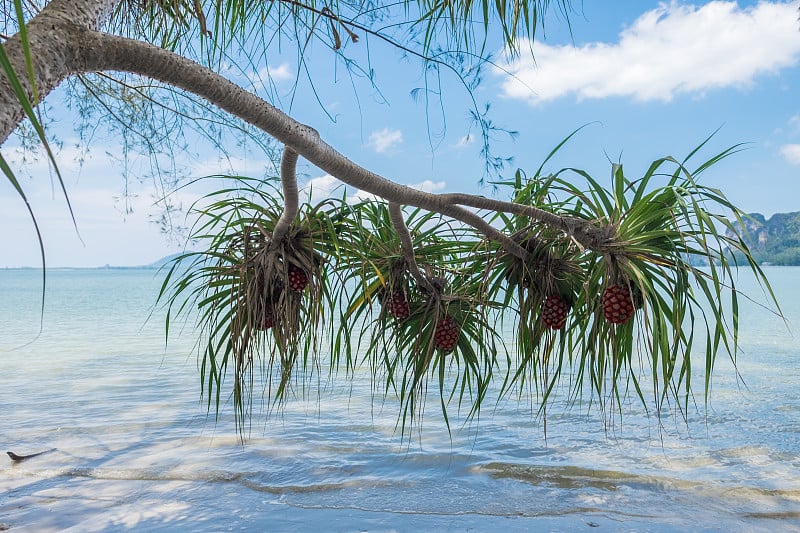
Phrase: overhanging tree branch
{"type": "Point", "coordinates": [290, 195]}
{"type": "Point", "coordinates": [396, 216]}
{"type": "Point", "coordinates": [98, 51]}
{"type": "Point", "coordinates": [54, 55]}
{"type": "Point", "coordinates": [95, 51]}
{"type": "Point", "coordinates": [108, 52]}
{"type": "Point", "coordinates": [583, 231]}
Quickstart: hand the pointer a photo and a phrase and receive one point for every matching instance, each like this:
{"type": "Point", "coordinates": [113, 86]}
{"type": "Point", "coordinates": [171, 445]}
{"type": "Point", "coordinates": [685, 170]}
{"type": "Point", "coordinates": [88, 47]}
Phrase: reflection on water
{"type": "Point", "coordinates": [136, 449]}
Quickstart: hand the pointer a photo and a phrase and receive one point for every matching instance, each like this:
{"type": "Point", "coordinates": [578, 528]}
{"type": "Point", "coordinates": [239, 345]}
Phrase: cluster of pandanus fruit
{"type": "Point", "coordinates": [619, 306]}
{"type": "Point", "coordinates": [619, 303]}
{"type": "Point", "coordinates": [395, 303]}
{"type": "Point", "coordinates": [445, 336]}
{"type": "Point", "coordinates": [297, 281]}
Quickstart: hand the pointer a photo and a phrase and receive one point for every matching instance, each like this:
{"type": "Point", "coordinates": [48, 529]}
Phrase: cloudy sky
{"type": "Point", "coordinates": [646, 79]}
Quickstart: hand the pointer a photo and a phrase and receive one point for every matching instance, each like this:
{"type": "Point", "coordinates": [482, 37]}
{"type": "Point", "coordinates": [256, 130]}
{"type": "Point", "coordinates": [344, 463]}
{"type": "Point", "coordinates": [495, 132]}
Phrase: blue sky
{"type": "Point", "coordinates": [648, 79]}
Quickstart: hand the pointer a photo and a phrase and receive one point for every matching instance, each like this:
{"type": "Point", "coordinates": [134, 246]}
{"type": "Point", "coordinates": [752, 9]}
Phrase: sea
{"type": "Point", "coordinates": [131, 445]}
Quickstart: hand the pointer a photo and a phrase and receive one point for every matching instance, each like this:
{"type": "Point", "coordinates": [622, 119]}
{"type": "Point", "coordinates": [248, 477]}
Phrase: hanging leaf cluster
{"type": "Point", "coordinates": [461, 318]}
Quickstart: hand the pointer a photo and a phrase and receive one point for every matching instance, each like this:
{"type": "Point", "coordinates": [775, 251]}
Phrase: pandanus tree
{"type": "Point", "coordinates": [562, 278]}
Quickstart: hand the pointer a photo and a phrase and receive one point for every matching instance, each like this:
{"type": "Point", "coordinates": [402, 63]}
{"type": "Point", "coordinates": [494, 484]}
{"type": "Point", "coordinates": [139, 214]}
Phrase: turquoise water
{"type": "Point", "coordinates": [133, 447]}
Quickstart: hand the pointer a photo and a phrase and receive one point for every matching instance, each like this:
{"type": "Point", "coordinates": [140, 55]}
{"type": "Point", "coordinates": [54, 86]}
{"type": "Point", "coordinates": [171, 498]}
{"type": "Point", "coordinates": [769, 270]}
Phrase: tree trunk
{"type": "Point", "coordinates": [54, 52]}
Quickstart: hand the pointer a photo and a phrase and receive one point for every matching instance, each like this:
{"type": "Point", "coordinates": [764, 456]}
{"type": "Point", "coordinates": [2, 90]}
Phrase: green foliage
{"type": "Point", "coordinates": [402, 352]}
{"type": "Point", "coordinates": [379, 313]}
{"type": "Point", "coordinates": [658, 225]}
{"type": "Point", "coordinates": [240, 287]}
{"type": "Point", "coordinates": [455, 25]}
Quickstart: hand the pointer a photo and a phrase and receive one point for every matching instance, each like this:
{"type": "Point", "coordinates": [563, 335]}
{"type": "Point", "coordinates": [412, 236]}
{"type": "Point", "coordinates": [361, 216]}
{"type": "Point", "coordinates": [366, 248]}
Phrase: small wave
{"type": "Point", "coordinates": [576, 477]}
{"type": "Point", "coordinates": [790, 515]}
{"type": "Point", "coordinates": [256, 481]}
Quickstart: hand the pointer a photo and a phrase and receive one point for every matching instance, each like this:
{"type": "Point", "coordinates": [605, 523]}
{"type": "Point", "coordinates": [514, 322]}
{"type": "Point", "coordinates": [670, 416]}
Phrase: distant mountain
{"type": "Point", "coordinates": [155, 265]}
{"type": "Point", "coordinates": [163, 261]}
{"type": "Point", "coordinates": [775, 241]}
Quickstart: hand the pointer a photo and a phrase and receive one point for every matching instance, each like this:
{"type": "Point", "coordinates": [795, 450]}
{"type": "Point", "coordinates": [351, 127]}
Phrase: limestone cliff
{"type": "Point", "coordinates": [776, 240]}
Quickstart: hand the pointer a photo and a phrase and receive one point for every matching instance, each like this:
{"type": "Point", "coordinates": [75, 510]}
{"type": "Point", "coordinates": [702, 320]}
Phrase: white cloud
{"type": "Point", "coordinates": [464, 141]}
{"type": "Point", "coordinates": [385, 139]}
{"type": "Point", "coordinates": [282, 72]}
{"type": "Point", "coordinates": [671, 50]}
{"type": "Point", "coordinates": [791, 152]}
{"type": "Point", "coordinates": [253, 167]}
{"type": "Point", "coordinates": [115, 218]}
{"type": "Point", "coordinates": [71, 160]}
{"type": "Point", "coordinates": [110, 229]}
{"type": "Point", "coordinates": [360, 195]}
{"type": "Point", "coordinates": [327, 186]}
{"type": "Point", "coordinates": [429, 186]}
{"type": "Point", "coordinates": [322, 187]}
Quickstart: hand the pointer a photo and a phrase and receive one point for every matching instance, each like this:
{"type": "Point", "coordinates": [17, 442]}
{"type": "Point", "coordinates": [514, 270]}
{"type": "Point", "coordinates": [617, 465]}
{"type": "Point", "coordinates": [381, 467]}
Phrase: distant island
{"type": "Point", "coordinates": [154, 265]}
{"type": "Point", "coordinates": [775, 241]}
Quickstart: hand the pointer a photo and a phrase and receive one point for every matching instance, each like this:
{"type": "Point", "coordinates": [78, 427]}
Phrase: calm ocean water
{"type": "Point", "coordinates": [133, 447]}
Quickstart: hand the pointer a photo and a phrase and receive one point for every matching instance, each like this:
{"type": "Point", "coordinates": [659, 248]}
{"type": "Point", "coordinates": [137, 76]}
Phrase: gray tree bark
{"type": "Point", "coordinates": [55, 55]}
